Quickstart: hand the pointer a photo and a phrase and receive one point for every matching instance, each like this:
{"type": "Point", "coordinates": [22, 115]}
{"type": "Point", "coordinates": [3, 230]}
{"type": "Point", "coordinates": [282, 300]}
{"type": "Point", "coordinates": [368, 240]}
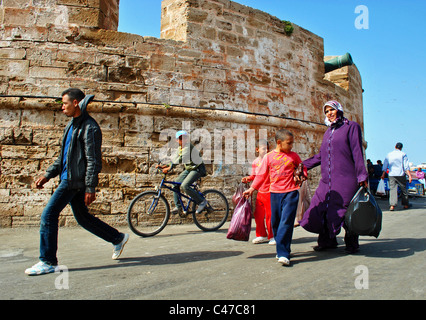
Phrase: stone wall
{"type": "Point", "coordinates": [219, 67]}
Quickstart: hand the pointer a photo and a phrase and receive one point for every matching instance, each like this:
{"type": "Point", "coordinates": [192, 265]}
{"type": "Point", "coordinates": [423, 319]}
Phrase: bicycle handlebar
{"type": "Point", "coordinates": [160, 170]}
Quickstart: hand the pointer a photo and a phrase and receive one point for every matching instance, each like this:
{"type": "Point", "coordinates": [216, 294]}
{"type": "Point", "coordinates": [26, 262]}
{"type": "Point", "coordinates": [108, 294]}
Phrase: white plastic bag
{"type": "Point", "coordinates": [381, 191]}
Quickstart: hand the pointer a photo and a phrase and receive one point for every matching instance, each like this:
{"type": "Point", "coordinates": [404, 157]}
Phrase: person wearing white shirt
{"type": "Point", "coordinates": [397, 163]}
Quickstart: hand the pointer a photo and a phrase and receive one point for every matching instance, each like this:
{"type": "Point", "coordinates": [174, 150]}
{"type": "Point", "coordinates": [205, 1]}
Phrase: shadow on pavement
{"type": "Point", "coordinates": [165, 259]}
{"type": "Point", "coordinates": [380, 248]}
{"type": "Point", "coordinates": [392, 248]}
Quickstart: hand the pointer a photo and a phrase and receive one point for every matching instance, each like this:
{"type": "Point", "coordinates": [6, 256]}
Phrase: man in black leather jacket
{"type": "Point", "coordinates": [84, 161]}
{"type": "Point", "coordinates": [78, 166]}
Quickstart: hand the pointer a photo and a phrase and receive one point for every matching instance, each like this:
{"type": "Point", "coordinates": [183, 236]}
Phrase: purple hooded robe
{"type": "Point", "coordinates": [342, 169]}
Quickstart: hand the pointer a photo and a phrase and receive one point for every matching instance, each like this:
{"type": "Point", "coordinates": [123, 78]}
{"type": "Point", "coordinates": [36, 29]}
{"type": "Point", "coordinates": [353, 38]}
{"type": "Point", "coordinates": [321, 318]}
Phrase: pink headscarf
{"type": "Point", "coordinates": [337, 106]}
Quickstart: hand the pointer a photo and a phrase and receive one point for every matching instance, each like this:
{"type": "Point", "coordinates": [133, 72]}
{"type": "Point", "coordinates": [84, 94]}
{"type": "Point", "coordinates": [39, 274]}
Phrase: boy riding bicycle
{"type": "Point", "coordinates": [194, 166]}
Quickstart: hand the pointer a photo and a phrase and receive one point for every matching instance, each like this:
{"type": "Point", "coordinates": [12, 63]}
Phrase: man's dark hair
{"type": "Point", "coordinates": [399, 146]}
{"type": "Point", "coordinates": [282, 135]}
{"type": "Point", "coordinates": [74, 94]}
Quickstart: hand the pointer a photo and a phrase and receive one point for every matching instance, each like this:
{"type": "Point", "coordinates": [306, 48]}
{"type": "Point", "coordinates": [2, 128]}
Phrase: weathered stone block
{"type": "Point", "coordinates": [122, 180]}
{"type": "Point", "coordinates": [17, 16]}
{"type": "Point", "coordinates": [215, 86]}
{"type": "Point", "coordinates": [47, 137]}
{"type": "Point", "coordinates": [162, 62]}
{"type": "Point", "coordinates": [6, 136]}
{"type": "Point", "coordinates": [29, 196]}
{"type": "Point", "coordinates": [37, 119]}
{"type": "Point", "coordinates": [112, 138]}
{"type": "Point", "coordinates": [100, 208]}
{"type": "Point", "coordinates": [87, 17]}
{"type": "Point", "coordinates": [33, 210]}
{"type": "Point", "coordinates": [9, 53]}
{"type": "Point", "coordinates": [125, 75]}
{"type": "Point", "coordinates": [47, 72]}
{"type": "Point", "coordinates": [15, 68]}
{"type": "Point", "coordinates": [135, 139]}
{"type": "Point", "coordinates": [19, 166]}
{"type": "Point", "coordinates": [77, 3]}
{"type": "Point", "coordinates": [4, 195]}
{"type": "Point", "coordinates": [120, 207]}
{"type": "Point", "coordinates": [23, 152]}
{"type": "Point", "coordinates": [85, 71]}
{"type": "Point", "coordinates": [16, 3]}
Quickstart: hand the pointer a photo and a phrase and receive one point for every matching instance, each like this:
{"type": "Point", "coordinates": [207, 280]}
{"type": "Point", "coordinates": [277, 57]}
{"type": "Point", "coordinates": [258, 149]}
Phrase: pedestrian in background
{"type": "Point", "coordinates": [397, 163]}
{"type": "Point", "coordinates": [421, 177]}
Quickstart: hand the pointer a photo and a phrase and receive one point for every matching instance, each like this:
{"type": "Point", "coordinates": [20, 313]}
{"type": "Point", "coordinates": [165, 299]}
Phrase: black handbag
{"type": "Point", "coordinates": [364, 216]}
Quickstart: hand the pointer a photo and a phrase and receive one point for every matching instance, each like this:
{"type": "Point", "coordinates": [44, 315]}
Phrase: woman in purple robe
{"type": "Point", "coordinates": [342, 173]}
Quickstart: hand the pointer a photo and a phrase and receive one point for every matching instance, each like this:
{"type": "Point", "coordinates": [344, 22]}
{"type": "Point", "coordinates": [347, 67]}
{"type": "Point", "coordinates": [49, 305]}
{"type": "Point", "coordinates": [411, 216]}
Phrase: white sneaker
{"type": "Point", "coordinates": [258, 240]}
{"type": "Point", "coordinates": [41, 268]}
{"type": "Point", "coordinates": [272, 242]}
{"type": "Point", "coordinates": [201, 206]}
{"type": "Point", "coordinates": [118, 249]}
{"type": "Point", "coordinates": [284, 261]}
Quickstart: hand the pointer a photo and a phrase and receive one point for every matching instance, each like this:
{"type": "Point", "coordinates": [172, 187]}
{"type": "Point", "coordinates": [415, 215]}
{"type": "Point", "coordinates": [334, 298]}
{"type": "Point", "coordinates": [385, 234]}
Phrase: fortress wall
{"type": "Point", "coordinates": [218, 67]}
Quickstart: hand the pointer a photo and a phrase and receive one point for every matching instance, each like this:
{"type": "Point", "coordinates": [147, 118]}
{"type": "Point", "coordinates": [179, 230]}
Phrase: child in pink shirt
{"type": "Point", "coordinates": [280, 165]}
{"type": "Point", "coordinates": [263, 199]}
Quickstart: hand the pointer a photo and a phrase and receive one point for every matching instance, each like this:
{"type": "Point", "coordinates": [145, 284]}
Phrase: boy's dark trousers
{"type": "Point", "coordinates": [283, 213]}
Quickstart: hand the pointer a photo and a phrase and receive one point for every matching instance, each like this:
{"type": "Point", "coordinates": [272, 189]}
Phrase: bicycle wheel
{"type": "Point", "coordinates": [148, 214]}
{"type": "Point", "coordinates": [215, 214]}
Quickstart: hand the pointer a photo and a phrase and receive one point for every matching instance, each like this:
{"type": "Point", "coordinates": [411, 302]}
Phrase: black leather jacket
{"type": "Point", "coordinates": [84, 159]}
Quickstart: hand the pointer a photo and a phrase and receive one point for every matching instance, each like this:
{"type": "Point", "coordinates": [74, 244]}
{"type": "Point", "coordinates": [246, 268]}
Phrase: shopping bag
{"type": "Point", "coordinates": [240, 226]}
{"type": "Point", "coordinates": [381, 191]}
{"type": "Point", "coordinates": [304, 200]}
{"type": "Point", "coordinates": [238, 194]}
{"type": "Point", "coordinates": [364, 216]}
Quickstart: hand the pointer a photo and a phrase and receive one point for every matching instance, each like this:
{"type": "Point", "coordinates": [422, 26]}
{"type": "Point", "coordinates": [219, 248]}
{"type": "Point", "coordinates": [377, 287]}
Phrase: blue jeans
{"type": "Point", "coordinates": [187, 178]}
{"type": "Point", "coordinates": [50, 216]}
{"type": "Point", "coordinates": [283, 213]}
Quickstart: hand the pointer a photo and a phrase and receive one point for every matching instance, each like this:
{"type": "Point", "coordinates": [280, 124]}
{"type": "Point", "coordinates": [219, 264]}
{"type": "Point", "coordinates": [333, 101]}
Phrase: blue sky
{"type": "Point", "coordinates": [390, 56]}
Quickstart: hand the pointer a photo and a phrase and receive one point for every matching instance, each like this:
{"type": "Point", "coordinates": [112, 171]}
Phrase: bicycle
{"type": "Point", "coordinates": [149, 211]}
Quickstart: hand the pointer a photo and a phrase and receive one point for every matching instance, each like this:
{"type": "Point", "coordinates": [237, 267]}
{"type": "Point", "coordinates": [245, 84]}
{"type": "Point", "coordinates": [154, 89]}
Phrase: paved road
{"type": "Point", "coordinates": [184, 263]}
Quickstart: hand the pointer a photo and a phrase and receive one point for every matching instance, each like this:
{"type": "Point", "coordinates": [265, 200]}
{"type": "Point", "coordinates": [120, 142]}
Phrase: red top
{"type": "Point", "coordinates": [264, 188]}
{"type": "Point", "coordinates": [279, 167]}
